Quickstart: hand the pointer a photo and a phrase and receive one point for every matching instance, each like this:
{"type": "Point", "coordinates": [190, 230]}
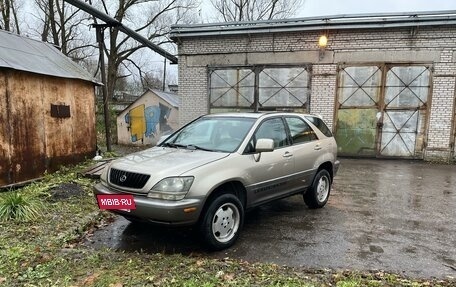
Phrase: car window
{"type": "Point", "coordinates": [300, 131]}
{"type": "Point", "coordinates": [320, 124]}
{"type": "Point", "coordinates": [197, 133]}
{"type": "Point", "coordinates": [223, 134]}
{"type": "Point", "coordinates": [270, 129]}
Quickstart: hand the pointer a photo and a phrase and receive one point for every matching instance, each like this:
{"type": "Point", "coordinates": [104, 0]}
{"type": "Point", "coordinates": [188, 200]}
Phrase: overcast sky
{"type": "Point", "coordinates": [335, 7]}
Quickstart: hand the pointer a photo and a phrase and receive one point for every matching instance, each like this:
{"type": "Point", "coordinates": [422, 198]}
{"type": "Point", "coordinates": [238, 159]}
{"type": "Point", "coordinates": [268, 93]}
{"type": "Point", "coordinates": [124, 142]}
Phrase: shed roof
{"type": "Point", "coordinates": [170, 98]}
{"type": "Point", "coordinates": [29, 55]}
{"type": "Point", "coordinates": [335, 22]}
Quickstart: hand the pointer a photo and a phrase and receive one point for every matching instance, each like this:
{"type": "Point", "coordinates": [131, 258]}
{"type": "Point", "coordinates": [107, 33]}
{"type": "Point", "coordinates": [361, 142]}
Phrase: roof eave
{"type": "Point", "coordinates": [342, 22]}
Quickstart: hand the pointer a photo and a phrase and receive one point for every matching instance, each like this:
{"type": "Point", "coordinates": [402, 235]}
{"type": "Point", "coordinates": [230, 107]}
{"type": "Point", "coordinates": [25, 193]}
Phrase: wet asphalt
{"type": "Point", "coordinates": [391, 215]}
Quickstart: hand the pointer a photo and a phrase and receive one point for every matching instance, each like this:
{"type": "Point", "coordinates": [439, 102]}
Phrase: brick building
{"type": "Point", "coordinates": [384, 83]}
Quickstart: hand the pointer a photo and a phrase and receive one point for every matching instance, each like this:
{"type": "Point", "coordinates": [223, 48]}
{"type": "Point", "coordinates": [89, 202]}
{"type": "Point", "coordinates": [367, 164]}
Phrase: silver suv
{"type": "Point", "coordinates": [212, 170]}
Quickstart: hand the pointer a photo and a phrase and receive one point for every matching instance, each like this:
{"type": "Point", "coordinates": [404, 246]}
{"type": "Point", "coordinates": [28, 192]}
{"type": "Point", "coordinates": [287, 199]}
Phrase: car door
{"type": "Point", "coordinates": [306, 149]}
{"type": "Point", "coordinates": [269, 172]}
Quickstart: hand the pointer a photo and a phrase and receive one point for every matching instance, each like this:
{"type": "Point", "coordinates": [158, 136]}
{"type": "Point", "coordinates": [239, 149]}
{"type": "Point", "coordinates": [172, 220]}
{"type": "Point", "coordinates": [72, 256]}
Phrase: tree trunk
{"type": "Point", "coordinates": [55, 34]}
{"type": "Point", "coordinates": [5, 6]}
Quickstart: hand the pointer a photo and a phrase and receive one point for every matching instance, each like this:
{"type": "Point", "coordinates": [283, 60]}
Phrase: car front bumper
{"type": "Point", "coordinates": [158, 211]}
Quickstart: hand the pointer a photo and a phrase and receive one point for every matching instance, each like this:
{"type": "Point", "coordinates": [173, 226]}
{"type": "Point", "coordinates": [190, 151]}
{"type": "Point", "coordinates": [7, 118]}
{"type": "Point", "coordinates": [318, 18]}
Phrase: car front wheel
{"type": "Point", "coordinates": [317, 195]}
{"type": "Point", "coordinates": [222, 222]}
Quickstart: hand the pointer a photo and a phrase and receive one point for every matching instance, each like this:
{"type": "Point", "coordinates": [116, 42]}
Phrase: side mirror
{"type": "Point", "coordinates": [264, 145]}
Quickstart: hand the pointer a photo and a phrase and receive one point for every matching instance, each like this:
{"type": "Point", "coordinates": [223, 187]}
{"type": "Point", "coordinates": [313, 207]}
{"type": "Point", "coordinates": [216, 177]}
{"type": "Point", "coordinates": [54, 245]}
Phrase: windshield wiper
{"type": "Point", "coordinates": [190, 146]}
{"type": "Point", "coordinates": [175, 145]}
{"type": "Point", "coordinates": [195, 147]}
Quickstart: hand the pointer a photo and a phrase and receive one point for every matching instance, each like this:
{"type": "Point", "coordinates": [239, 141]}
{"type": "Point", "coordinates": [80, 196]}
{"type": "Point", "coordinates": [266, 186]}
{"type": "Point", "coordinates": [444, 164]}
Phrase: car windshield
{"type": "Point", "coordinates": [224, 134]}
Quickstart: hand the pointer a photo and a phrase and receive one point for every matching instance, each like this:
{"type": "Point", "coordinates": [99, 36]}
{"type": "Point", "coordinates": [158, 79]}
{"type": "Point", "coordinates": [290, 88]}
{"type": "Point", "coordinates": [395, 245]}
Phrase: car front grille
{"type": "Point", "coordinates": [128, 179]}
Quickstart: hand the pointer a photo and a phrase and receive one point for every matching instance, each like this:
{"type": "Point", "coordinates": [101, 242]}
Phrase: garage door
{"type": "Point", "coordinates": [259, 88]}
{"type": "Point", "coordinates": [382, 110]}
{"type": "Point", "coordinates": [454, 131]}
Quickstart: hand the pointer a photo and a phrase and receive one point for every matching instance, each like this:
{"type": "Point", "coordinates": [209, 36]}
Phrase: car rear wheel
{"type": "Point", "coordinates": [317, 195]}
{"type": "Point", "coordinates": [222, 222]}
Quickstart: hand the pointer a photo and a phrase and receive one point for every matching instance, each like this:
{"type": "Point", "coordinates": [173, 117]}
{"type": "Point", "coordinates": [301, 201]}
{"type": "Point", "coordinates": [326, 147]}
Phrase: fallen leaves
{"type": "Point", "coordinates": [90, 279]}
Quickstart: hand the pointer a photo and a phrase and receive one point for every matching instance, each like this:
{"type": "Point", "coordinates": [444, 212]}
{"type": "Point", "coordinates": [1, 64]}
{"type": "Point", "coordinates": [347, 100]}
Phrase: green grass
{"type": "Point", "coordinates": [15, 206]}
{"type": "Point", "coordinates": [46, 251]}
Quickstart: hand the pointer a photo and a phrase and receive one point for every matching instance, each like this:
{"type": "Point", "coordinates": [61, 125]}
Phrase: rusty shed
{"type": "Point", "coordinates": [47, 109]}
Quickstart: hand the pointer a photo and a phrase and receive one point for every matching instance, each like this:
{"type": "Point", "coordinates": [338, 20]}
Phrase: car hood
{"type": "Point", "coordinates": [162, 162]}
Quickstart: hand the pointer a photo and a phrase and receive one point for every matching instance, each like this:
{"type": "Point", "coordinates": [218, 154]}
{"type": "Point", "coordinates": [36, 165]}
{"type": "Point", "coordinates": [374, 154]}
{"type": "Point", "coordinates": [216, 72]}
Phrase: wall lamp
{"type": "Point", "coordinates": [322, 43]}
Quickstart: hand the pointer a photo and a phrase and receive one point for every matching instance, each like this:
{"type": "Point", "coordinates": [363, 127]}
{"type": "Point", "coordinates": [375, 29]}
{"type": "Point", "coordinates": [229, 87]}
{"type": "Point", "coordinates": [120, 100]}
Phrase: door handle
{"type": "Point", "coordinates": [317, 147]}
{"type": "Point", "coordinates": [287, 154]}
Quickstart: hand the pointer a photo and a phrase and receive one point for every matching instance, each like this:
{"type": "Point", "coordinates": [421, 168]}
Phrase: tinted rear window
{"type": "Point", "coordinates": [320, 124]}
{"type": "Point", "coordinates": [300, 131]}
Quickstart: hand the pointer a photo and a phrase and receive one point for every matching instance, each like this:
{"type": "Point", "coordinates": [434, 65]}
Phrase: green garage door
{"type": "Point", "coordinates": [358, 105]}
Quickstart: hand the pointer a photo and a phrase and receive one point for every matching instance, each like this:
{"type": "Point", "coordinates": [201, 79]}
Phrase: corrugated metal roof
{"type": "Point", "coordinates": [335, 22]}
{"type": "Point", "coordinates": [29, 55]}
{"type": "Point", "coordinates": [170, 98]}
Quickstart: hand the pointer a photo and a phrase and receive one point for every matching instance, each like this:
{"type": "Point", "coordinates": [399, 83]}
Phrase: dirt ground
{"type": "Point", "coordinates": [392, 215]}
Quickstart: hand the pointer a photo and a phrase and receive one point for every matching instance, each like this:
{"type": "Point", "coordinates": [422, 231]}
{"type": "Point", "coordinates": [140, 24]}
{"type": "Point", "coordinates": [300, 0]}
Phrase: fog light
{"type": "Point", "coordinates": [190, 209]}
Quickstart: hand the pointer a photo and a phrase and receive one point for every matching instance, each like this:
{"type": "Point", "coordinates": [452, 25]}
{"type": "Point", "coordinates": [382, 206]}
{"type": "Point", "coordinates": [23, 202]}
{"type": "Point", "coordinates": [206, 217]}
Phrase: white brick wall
{"type": "Point", "coordinates": [192, 92]}
{"type": "Point", "coordinates": [440, 120]}
{"type": "Point", "coordinates": [322, 98]}
{"type": "Point", "coordinates": [434, 46]}
{"type": "Point", "coordinates": [441, 116]}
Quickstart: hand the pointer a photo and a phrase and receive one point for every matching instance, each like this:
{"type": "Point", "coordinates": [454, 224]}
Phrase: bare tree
{"type": "Point", "coordinates": [62, 24]}
{"type": "Point", "coordinates": [250, 10]}
{"type": "Point", "coordinates": [9, 15]}
{"type": "Point", "coordinates": [150, 18]}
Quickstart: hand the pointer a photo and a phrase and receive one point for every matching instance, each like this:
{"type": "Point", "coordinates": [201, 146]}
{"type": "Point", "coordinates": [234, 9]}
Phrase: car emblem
{"type": "Point", "coordinates": [123, 178]}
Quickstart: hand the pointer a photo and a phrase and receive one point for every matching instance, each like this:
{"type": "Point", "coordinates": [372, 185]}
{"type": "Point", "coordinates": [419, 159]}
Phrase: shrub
{"type": "Point", "coordinates": [15, 206]}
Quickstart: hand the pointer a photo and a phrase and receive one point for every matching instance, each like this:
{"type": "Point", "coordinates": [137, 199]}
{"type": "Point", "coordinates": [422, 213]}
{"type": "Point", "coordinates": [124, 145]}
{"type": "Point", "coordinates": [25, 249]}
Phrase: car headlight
{"type": "Point", "coordinates": [171, 188]}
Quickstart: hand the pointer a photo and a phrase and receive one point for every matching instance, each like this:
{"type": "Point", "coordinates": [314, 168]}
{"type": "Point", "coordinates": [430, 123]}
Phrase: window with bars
{"type": "Point", "coordinates": [232, 89]}
{"type": "Point", "coordinates": [259, 88]}
{"type": "Point", "coordinates": [359, 86]}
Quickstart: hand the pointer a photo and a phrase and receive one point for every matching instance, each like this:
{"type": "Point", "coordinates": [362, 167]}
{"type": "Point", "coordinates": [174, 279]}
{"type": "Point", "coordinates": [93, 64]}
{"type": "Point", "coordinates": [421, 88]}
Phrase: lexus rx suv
{"type": "Point", "coordinates": [209, 172]}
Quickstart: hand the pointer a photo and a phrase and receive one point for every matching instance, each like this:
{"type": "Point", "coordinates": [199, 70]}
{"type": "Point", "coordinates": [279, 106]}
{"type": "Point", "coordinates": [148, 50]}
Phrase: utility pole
{"type": "Point", "coordinates": [164, 75]}
{"type": "Point", "coordinates": [112, 22]}
{"type": "Point", "coordinates": [107, 117]}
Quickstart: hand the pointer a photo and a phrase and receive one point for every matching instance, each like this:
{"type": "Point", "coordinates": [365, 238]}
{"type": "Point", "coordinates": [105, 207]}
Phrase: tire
{"type": "Point", "coordinates": [318, 193]}
{"type": "Point", "coordinates": [222, 222]}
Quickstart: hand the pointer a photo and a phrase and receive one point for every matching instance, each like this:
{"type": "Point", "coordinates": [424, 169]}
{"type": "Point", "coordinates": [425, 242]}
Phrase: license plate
{"type": "Point", "coordinates": [124, 202]}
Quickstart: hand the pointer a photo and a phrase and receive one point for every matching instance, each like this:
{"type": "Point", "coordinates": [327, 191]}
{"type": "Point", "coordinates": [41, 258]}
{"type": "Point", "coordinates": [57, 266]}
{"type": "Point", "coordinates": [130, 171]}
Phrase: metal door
{"type": "Point", "coordinates": [382, 110]}
{"type": "Point", "coordinates": [405, 110]}
{"type": "Point", "coordinates": [358, 105]}
{"type": "Point", "coordinates": [454, 130]}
